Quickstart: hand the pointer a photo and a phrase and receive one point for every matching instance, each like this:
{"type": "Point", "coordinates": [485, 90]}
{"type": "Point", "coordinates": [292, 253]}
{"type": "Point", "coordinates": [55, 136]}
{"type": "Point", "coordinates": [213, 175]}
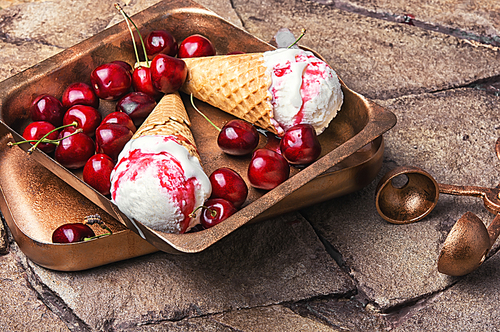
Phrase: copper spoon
{"type": "Point", "coordinates": [468, 242]}
{"type": "Point", "coordinates": [467, 245]}
{"type": "Point", "coordinates": [418, 195]}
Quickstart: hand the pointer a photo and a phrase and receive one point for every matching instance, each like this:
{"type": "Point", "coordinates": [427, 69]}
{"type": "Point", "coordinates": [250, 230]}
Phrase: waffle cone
{"type": "Point", "coordinates": [237, 84]}
{"type": "Point", "coordinates": [169, 117]}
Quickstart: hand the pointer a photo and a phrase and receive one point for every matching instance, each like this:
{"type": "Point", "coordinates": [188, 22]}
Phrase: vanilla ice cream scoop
{"type": "Point", "coordinates": [304, 89]}
{"type": "Point", "coordinates": [274, 90]}
{"type": "Point", "coordinates": [158, 182]}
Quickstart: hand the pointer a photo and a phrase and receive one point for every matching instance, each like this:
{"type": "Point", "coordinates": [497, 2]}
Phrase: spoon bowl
{"type": "Point", "coordinates": [408, 201]}
{"type": "Point", "coordinates": [466, 246]}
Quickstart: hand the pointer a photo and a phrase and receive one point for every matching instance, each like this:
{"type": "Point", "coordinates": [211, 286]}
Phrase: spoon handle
{"type": "Point", "coordinates": [490, 195]}
{"type": "Point", "coordinates": [494, 229]}
{"type": "Point", "coordinates": [462, 190]}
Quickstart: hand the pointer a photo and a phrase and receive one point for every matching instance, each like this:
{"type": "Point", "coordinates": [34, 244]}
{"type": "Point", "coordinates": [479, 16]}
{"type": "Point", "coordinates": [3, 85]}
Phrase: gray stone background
{"type": "Point", "coordinates": [336, 266]}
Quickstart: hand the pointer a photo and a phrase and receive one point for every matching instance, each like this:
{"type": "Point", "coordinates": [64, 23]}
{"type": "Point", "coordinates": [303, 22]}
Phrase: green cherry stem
{"type": "Point", "coordinates": [117, 6]}
{"type": "Point", "coordinates": [213, 212]}
{"type": "Point", "coordinates": [203, 115]}
{"type": "Point", "coordinates": [127, 19]}
{"type": "Point", "coordinates": [299, 38]}
{"type": "Point", "coordinates": [72, 124]}
{"type": "Point", "coordinates": [96, 219]}
{"type": "Point", "coordinates": [44, 139]}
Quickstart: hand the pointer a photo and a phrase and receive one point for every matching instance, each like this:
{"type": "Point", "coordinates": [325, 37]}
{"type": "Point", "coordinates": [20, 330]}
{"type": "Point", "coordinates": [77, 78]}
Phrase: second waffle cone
{"type": "Point", "coordinates": [237, 84]}
{"type": "Point", "coordinates": [169, 117]}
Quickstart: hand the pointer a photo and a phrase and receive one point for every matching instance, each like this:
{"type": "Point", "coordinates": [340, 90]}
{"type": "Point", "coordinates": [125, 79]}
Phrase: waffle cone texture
{"type": "Point", "coordinates": [237, 84]}
{"type": "Point", "coordinates": [169, 117]}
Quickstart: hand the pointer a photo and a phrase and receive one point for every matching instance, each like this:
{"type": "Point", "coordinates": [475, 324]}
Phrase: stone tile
{"type": "Point", "coordinates": [20, 308]}
{"type": "Point", "coordinates": [376, 58]}
{"type": "Point", "coordinates": [470, 305]}
{"type": "Point", "coordinates": [16, 57]}
{"type": "Point", "coordinates": [270, 319]}
{"type": "Point", "coordinates": [33, 31]}
{"type": "Point", "coordinates": [478, 18]}
{"type": "Point", "coordinates": [395, 264]}
{"type": "Point", "coordinates": [267, 263]}
{"type": "Point", "coordinates": [342, 314]}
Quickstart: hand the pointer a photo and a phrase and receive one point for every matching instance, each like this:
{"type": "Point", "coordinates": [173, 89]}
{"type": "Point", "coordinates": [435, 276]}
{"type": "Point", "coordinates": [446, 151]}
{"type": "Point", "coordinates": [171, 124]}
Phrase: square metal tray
{"type": "Point", "coordinates": [352, 145]}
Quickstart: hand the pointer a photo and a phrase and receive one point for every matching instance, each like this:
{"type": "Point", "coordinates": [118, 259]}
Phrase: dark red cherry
{"type": "Point", "coordinates": [137, 105]}
{"type": "Point", "coordinates": [141, 81]}
{"type": "Point", "coordinates": [160, 41]}
{"type": "Point", "coordinates": [87, 117]}
{"type": "Point", "coordinates": [111, 138]}
{"type": "Point", "coordinates": [74, 151]}
{"type": "Point", "coordinates": [228, 184]}
{"type": "Point", "coordinates": [110, 81]}
{"type": "Point", "coordinates": [300, 145]}
{"type": "Point", "coordinates": [70, 233]}
{"type": "Point", "coordinates": [79, 94]}
{"type": "Point", "coordinates": [120, 118]}
{"type": "Point", "coordinates": [38, 129]}
{"type": "Point", "coordinates": [124, 64]}
{"type": "Point", "coordinates": [267, 169]}
{"type": "Point", "coordinates": [167, 73]}
{"type": "Point", "coordinates": [97, 172]}
{"type": "Point", "coordinates": [238, 138]}
{"type": "Point", "coordinates": [195, 46]}
{"type": "Point", "coordinates": [273, 143]}
{"type": "Point", "coordinates": [47, 108]}
{"type": "Point", "coordinates": [215, 211]}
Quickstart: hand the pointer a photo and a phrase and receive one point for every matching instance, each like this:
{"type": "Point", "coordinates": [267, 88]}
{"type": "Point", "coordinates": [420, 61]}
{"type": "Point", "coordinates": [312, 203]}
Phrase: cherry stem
{"type": "Point", "coordinates": [96, 236]}
{"type": "Point", "coordinates": [127, 19]}
{"type": "Point", "coordinates": [213, 212]}
{"type": "Point", "coordinates": [96, 219]}
{"type": "Point", "coordinates": [44, 139]}
{"type": "Point", "coordinates": [299, 38]}
{"type": "Point", "coordinates": [203, 115]}
{"type": "Point", "coordinates": [72, 124]}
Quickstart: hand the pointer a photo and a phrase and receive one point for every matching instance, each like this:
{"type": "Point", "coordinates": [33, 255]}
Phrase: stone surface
{"type": "Point", "coordinates": [277, 275]}
{"type": "Point", "coordinates": [470, 305]}
{"type": "Point", "coordinates": [20, 308]}
{"type": "Point", "coordinates": [281, 261]}
{"type": "Point", "coordinates": [474, 19]}
{"type": "Point", "coordinates": [431, 129]}
{"type": "Point", "coordinates": [376, 58]}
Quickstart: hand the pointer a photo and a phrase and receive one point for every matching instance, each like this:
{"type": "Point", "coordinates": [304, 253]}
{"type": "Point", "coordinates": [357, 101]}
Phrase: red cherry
{"type": "Point", "coordinates": [238, 138]}
{"type": "Point", "coordinates": [38, 129]}
{"type": "Point", "coordinates": [47, 108]}
{"type": "Point", "coordinates": [111, 138]}
{"type": "Point", "coordinates": [195, 46]}
{"type": "Point", "coordinates": [168, 73]}
{"type": "Point", "coordinates": [79, 94]}
{"type": "Point", "coordinates": [228, 184]}
{"type": "Point", "coordinates": [110, 81]}
{"type": "Point", "coordinates": [124, 64]}
{"type": "Point", "coordinates": [267, 169]}
{"type": "Point", "coordinates": [74, 151]}
{"type": "Point", "coordinates": [141, 81]}
{"type": "Point", "coordinates": [87, 117]}
{"type": "Point", "coordinates": [300, 145]}
{"type": "Point", "coordinates": [160, 41]}
{"type": "Point", "coordinates": [69, 233]}
{"type": "Point", "coordinates": [137, 105]}
{"type": "Point", "coordinates": [215, 211]}
{"type": "Point", "coordinates": [97, 172]}
{"type": "Point", "coordinates": [273, 143]}
{"type": "Point", "coordinates": [120, 118]}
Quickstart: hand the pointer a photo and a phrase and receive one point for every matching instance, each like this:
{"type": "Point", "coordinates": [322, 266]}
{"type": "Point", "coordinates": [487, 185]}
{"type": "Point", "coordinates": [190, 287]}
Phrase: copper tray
{"type": "Point", "coordinates": [352, 145]}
